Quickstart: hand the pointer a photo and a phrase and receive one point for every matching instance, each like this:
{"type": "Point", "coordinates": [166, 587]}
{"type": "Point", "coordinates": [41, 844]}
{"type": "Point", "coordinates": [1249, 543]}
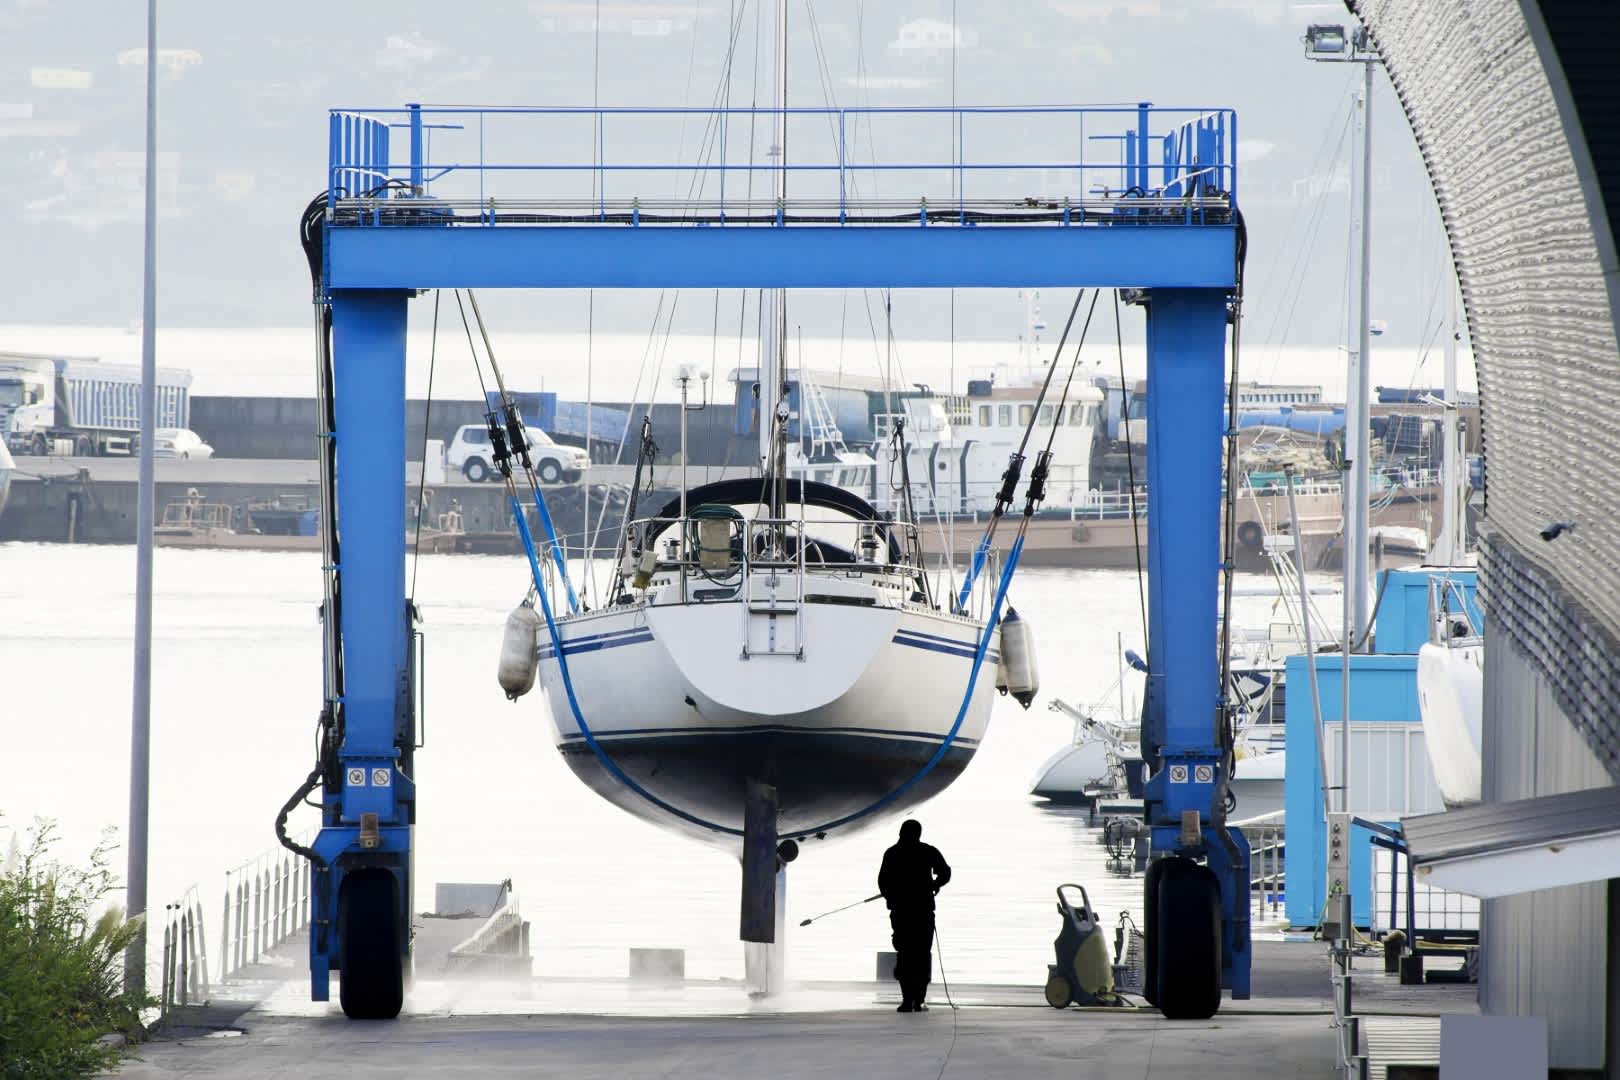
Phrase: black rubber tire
{"type": "Point", "coordinates": [1188, 952]}
{"type": "Point", "coordinates": [372, 963]}
{"type": "Point", "coordinates": [1250, 534]}
{"type": "Point", "coordinates": [550, 472]}
{"type": "Point", "coordinates": [475, 470]}
{"type": "Point", "coordinates": [1150, 922]}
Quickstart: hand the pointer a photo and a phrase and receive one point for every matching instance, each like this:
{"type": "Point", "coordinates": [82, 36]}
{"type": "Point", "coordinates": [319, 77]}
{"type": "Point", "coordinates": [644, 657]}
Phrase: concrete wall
{"type": "Point", "coordinates": [281, 427]}
{"type": "Point", "coordinates": [1542, 948]}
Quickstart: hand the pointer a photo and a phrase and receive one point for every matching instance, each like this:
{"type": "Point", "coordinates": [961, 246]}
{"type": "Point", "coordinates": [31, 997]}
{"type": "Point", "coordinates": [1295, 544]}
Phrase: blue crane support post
{"type": "Point", "coordinates": [1159, 218]}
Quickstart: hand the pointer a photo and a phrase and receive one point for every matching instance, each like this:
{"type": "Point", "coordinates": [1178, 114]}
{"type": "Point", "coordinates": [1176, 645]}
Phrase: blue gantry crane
{"type": "Point", "coordinates": [1157, 216]}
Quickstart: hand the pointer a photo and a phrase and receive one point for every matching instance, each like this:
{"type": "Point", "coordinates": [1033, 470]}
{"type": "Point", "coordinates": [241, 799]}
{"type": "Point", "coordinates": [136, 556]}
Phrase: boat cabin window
{"type": "Point", "coordinates": [1004, 415]}
{"type": "Point", "coordinates": [1077, 414]}
{"type": "Point", "coordinates": [984, 416]}
{"type": "Point", "coordinates": [1046, 415]}
{"type": "Point", "coordinates": [1024, 414]}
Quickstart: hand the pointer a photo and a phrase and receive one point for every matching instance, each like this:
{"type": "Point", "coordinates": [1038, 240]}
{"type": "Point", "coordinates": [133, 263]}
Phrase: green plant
{"type": "Point", "coordinates": [61, 963]}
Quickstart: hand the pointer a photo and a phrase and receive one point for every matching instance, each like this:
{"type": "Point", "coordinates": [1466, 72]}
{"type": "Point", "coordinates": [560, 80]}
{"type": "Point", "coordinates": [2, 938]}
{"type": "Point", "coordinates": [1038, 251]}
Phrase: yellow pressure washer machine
{"type": "Point", "coordinates": [1084, 973]}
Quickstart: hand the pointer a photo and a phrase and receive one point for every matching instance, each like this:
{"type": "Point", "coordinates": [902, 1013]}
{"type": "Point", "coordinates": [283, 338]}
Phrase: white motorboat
{"type": "Point", "coordinates": [1092, 765]}
{"type": "Point", "coordinates": [1257, 785]}
{"type": "Point", "coordinates": [1451, 691]}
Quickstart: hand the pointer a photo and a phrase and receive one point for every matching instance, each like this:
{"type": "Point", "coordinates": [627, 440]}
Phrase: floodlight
{"type": "Point", "coordinates": [1326, 39]}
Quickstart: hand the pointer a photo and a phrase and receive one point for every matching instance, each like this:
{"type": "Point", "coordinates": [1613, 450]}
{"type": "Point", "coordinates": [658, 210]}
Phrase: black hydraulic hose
{"type": "Point", "coordinates": [311, 782]}
{"type": "Point", "coordinates": [311, 239]}
{"type": "Point", "coordinates": [1226, 737]}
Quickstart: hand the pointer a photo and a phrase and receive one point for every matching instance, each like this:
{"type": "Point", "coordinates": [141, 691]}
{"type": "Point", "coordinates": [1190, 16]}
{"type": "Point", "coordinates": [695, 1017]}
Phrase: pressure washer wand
{"type": "Point", "coordinates": [836, 910]}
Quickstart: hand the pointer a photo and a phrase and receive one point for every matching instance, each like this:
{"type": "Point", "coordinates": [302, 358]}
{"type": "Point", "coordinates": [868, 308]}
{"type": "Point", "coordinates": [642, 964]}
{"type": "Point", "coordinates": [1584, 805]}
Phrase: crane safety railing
{"type": "Point", "coordinates": [185, 954]}
{"type": "Point", "coordinates": [266, 902]}
{"type": "Point", "coordinates": [1097, 165]}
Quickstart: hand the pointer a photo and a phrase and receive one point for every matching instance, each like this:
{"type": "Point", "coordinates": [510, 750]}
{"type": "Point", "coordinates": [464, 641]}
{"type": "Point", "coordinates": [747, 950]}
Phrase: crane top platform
{"type": "Point", "coordinates": [985, 191]}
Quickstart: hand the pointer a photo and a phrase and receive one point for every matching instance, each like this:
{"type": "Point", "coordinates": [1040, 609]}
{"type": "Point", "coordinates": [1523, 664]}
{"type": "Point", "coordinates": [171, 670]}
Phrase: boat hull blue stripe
{"type": "Point", "coordinates": [597, 643]}
{"type": "Point", "coordinates": [953, 649]}
{"type": "Point", "coordinates": [936, 638]}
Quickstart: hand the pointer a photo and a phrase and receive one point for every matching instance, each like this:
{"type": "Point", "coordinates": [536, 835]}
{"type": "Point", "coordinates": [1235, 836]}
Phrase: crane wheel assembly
{"type": "Point", "coordinates": [372, 986]}
{"type": "Point", "coordinates": [1183, 954]}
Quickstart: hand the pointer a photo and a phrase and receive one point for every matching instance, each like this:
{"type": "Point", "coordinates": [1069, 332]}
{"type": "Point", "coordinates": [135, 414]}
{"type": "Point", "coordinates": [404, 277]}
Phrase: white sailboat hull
{"type": "Point", "coordinates": [1451, 695]}
{"type": "Point", "coordinates": [1073, 772]}
{"type": "Point", "coordinates": [1258, 784]}
{"type": "Point", "coordinates": [837, 726]}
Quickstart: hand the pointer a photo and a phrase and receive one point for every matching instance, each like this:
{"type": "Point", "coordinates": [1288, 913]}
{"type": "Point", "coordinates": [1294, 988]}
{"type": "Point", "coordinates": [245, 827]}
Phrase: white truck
{"type": "Point", "coordinates": [469, 454]}
{"type": "Point", "coordinates": [79, 406]}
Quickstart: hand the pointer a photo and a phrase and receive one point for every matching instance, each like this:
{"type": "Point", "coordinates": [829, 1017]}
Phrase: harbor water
{"type": "Point", "coordinates": [236, 688]}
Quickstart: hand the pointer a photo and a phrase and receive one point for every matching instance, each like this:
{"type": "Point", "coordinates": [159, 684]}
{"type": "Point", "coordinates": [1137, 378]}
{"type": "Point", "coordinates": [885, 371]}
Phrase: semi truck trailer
{"type": "Point", "coordinates": [81, 406]}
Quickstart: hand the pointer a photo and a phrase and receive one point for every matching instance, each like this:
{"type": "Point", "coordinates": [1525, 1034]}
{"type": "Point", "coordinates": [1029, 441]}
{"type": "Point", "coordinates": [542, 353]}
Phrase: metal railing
{"type": "Point", "coordinates": [1135, 165]}
{"type": "Point", "coordinates": [266, 902]}
{"type": "Point", "coordinates": [500, 944]}
{"type": "Point", "coordinates": [185, 955]}
{"type": "Point", "coordinates": [1267, 845]}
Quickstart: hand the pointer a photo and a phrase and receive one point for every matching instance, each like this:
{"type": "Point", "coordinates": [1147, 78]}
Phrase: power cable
{"type": "Point", "coordinates": [949, 1050]}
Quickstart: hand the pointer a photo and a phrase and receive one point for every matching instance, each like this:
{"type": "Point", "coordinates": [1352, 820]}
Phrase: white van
{"type": "Point", "coordinates": [469, 454]}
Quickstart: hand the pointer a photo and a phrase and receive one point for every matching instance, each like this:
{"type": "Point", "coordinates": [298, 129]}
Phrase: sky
{"type": "Point", "coordinates": [244, 89]}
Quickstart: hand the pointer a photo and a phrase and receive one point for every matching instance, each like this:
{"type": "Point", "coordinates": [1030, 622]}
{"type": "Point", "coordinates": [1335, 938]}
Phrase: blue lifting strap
{"type": "Point", "coordinates": [967, 697]}
{"type": "Point", "coordinates": [619, 774]}
{"type": "Point", "coordinates": [556, 548]}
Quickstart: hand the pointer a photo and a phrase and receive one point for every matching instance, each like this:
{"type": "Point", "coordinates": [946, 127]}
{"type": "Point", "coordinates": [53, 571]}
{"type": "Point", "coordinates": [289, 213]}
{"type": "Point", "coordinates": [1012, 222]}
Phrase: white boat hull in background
{"type": "Point", "coordinates": [1451, 693]}
{"type": "Point", "coordinates": [1257, 784]}
{"type": "Point", "coordinates": [1073, 772]}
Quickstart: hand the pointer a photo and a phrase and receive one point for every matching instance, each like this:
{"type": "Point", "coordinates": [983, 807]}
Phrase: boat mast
{"type": "Point", "coordinates": [1451, 545]}
{"type": "Point", "coordinates": [773, 304]}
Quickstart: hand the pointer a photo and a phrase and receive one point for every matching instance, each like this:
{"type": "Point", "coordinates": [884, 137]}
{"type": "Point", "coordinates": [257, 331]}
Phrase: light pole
{"type": "Point", "coordinates": [140, 738]}
{"type": "Point", "coordinates": [1330, 44]}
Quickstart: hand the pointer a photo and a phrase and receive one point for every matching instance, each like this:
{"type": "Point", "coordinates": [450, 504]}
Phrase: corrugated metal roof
{"type": "Point", "coordinates": [1494, 828]}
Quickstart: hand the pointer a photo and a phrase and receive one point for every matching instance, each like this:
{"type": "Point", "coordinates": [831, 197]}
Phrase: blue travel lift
{"type": "Point", "coordinates": [1159, 218]}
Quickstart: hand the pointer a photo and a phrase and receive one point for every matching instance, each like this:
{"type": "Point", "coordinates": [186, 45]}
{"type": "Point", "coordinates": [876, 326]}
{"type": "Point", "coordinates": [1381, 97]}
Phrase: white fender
{"type": "Point", "coordinates": [518, 652]}
{"type": "Point", "coordinates": [1018, 673]}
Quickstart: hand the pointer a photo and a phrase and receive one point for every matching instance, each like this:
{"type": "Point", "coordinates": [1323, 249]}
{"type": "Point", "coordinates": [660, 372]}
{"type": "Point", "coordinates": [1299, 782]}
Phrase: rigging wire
{"type": "Point", "coordinates": [1130, 467]}
{"type": "Point", "coordinates": [1014, 471]}
{"type": "Point", "coordinates": [629, 416]}
{"type": "Point", "coordinates": [590, 299]}
{"type": "Point", "coordinates": [427, 426]}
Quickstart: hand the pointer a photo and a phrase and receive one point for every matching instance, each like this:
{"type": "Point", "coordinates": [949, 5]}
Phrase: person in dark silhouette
{"type": "Point", "coordinates": [912, 873]}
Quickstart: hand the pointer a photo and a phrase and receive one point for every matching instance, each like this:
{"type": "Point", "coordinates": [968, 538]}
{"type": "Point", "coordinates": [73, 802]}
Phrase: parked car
{"type": "Point", "coordinates": [469, 454]}
{"type": "Point", "coordinates": [168, 442]}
